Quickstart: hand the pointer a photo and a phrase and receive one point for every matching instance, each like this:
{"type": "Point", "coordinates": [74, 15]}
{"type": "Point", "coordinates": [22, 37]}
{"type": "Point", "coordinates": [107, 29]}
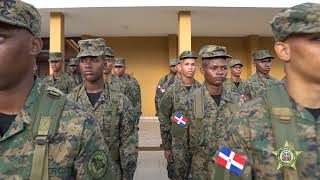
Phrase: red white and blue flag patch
{"type": "Point", "coordinates": [180, 120]}
{"type": "Point", "coordinates": [231, 161]}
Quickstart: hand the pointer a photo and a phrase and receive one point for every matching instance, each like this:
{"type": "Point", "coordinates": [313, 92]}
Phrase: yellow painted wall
{"type": "Point", "coordinates": [147, 59]}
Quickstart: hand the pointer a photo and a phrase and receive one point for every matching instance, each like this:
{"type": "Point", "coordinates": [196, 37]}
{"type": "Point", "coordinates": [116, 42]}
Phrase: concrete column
{"type": "Point", "coordinates": [172, 46]}
{"type": "Point", "coordinates": [253, 46]}
{"type": "Point", "coordinates": [56, 33]}
{"type": "Point", "coordinates": [184, 31]}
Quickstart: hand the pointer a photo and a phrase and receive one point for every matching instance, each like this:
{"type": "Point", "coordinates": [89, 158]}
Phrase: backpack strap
{"type": "Point", "coordinates": [46, 117]}
{"type": "Point", "coordinates": [283, 124]}
{"type": "Point", "coordinates": [116, 104]}
{"type": "Point", "coordinates": [198, 111]}
{"type": "Point", "coordinates": [228, 84]}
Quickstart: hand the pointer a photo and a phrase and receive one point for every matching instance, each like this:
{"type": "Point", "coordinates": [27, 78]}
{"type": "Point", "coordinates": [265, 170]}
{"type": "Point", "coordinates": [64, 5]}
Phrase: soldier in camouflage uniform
{"type": "Point", "coordinates": [128, 80]}
{"type": "Point", "coordinates": [74, 147]}
{"type": "Point", "coordinates": [259, 82]}
{"type": "Point", "coordinates": [286, 120]}
{"type": "Point", "coordinates": [175, 144]}
{"type": "Point", "coordinates": [235, 84]}
{"type": "Point", "coordinates": [74, 71]}
{"type": "Point", "coordinates": [208, 112]}
{"type": "Point", "coordinates": [165, 82]}
{"type": "Point", "coordinates": [58, 79]}
{"type": "Point", "coordinates": [112, 109]}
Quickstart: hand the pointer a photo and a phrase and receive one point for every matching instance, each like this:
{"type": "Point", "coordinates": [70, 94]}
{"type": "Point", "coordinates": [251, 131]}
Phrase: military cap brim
{"type": "Point", "coordinates": [90, 53]}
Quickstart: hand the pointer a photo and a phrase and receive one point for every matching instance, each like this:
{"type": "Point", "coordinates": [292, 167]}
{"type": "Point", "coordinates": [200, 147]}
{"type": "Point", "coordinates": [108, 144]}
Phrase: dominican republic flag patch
{"type": "Point", "coordinates": [231, 161]}
{"type": "Point", "coordinates": [180, 120]}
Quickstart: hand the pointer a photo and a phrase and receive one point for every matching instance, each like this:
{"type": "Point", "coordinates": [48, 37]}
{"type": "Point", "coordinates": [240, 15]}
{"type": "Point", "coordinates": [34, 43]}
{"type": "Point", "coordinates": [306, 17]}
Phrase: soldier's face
{"type": "Point", "coordinates": [73, 69]}
{"type": "Point", "coordinates": [18, 48]}
{"type": "Point", "coordinates": [215, 72]}
{"type": "Point", "coordinates": [236, 70]}
{"type": "Point", "coordinates": [302, 56]}
{"type": "Point", "coordinates": [91, 68]}
{"type": "Point", "coordinates": [263, 66]}
{"type": "Point", "coordinates": [173, 69]}
{"type": "Point", "coordinates": [56, 66]}
{"type": "Point", "coordinates": [108, 65]}
{"type": "Point", "coordinates": [188, 67]}
{"type": "Point", "coordinates": [119, 70]}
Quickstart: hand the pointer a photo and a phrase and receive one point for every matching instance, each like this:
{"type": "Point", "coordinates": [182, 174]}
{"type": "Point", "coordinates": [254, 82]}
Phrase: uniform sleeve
{"type": "Point", "coordinates": [71, 84]}
{"type": "Point", "coordinates": [137, 99]}
{"type": "Point", "coordinates": [129, 141]}
{"type": "Point", "coordinates": [94, 159]}
{"type": "Point", "coordinates": [241, 134]}
{"type": "Point", "coordinates": [157, 97]}
{"type": "Point", "coordinates": [165, 112]}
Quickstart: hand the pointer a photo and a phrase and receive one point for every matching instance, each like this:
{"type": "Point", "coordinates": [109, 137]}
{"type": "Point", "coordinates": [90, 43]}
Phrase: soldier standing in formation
{"type": "Point", "coordinates": [128, 80]}
{"type": "Point", "coordinates": [74, 71]}
{"type": "Point", "coordinates": [259, 82]}
{"type": "Point", "coordinates": [42, 135]}
{"type": "Point", "coordinates": [278, 133]}
{"type": "Point", "coordinates": [208, 111]}
{"type": "Point", "coordinates": [165, 82]}
{"type": "Point", "coordinates": [174, 138]}
{"type": "Point", "coordinates": [112, 109]}
{"type": "Point", "coordinates": [58, 79]}
{"type": "Point", "coordinates": [235, 84]}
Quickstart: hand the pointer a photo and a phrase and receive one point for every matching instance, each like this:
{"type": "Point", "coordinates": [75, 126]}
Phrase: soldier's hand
{"type": "Point", "coordinates": [168, 155]}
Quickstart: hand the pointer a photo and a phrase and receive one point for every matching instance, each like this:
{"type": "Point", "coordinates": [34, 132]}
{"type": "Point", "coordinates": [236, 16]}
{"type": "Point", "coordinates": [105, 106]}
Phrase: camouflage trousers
{"type": "Point", "coordinates": [170, 169]}
{"type": "Point", "coordinates": [202, 166]}
{"type": "Point", "coordinates": [181, 158]}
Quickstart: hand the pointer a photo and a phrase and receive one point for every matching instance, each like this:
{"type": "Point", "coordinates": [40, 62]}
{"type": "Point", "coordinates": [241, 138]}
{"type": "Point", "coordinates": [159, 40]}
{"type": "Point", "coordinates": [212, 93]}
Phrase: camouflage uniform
{"type": "Point", "coordinates": [163, 84]}
{"type": "Point", "coordinates": [266, 123]}
{"type": "Point", "coordinates": [118, 129]}
{"type": "Point", "coordinates": [130, 81]}
{"type": "Point", "coordinates": [171, 139]}
{"type": "Point", "coordinates": [77, 78]}
{"type": "Point", "coordinates": [65, 83]}
{"type": "Point", "coordinates": [257, 85]}
{"type": "Point", "coordinates": [242, 89]}
{"type": "Point", "coordinates": [75, 151]}
{"type": "Point", "coordinates": [207, 130]}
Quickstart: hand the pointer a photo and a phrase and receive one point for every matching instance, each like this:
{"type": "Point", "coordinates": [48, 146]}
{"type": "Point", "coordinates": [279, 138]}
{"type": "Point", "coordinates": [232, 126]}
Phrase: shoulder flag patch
{"type": "Point", "coordinates": [180, 120]}
{"type": "Point", "coordinates": [231, 161]}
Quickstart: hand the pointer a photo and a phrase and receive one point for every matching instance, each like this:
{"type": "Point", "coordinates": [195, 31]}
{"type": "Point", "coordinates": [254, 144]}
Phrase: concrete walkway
{"type": "Point", "coordinates": [151, 164]}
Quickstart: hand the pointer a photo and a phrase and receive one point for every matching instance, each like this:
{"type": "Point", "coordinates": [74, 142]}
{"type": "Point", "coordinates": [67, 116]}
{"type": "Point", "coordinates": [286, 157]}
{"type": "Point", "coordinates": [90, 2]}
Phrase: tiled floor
{"type": "Point", "coordinates": [151, 164]}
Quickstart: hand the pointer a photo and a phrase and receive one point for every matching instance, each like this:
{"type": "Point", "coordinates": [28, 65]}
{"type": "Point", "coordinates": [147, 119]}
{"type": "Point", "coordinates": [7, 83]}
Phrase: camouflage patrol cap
{"type": "Point", "coordinates": [91, 47]}
{"type": "Point", "coordinates": [20, 14]}
{"type": "Point", "coordinates": [187, 54]}
{"type": "Point", "coordinates": [120, 62]}
{"type": "Point", "coordinates": [262, 54]}
{"type": "Point", "coordinates": [234, 62]}
{"type": "Point", "coordinates": [74, 62]}
{"type": "Point", "coordinates": [299, 19]}
{"type": "Point", "coordinates": [108, 51]}
{"type": "Point", "coordinates": [172, 62]}
{"type": "Point", "coordinates": [55, 56]}
{"type": "Point", "coordinates": [213, 51]}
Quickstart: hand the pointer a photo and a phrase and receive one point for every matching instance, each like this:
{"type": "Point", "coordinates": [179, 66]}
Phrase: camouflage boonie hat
{"type": "Point", "coordinates": [172, 62]}
{"type": "Point", "coordinates": [20, 14]}
{"type": "Point", "coordinates": [234, 62]}
{"type": "Point", "coordinates": [187, 54]}
{"type": "Point", "coordinates": [213, 51]}
{"type": "Point", "coordinates": [119, 62]}
{"type": "Point", "coordinates": [108, 51]}
{"type": "Point", "coordinates": [299, 19]}
{"type": "Point", "coordinates": [55, 56]}
{"type": "Point", "coordinates": [74, 62]}
{"type": "Point", "coordinates": [262, 54]}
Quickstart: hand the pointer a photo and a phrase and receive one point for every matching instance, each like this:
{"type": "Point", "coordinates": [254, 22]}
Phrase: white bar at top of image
{"type": "Point", "coordinates": [52, 4]}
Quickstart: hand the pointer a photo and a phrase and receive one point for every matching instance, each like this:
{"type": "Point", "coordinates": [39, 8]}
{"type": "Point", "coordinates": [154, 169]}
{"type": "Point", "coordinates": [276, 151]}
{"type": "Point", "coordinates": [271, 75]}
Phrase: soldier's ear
{"type": "Point", "coordinates": [202, 70]}
{"type": "Point", "coordinates": [36, 46]}
{"type": "Point", "coordinates": [283, 51]}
